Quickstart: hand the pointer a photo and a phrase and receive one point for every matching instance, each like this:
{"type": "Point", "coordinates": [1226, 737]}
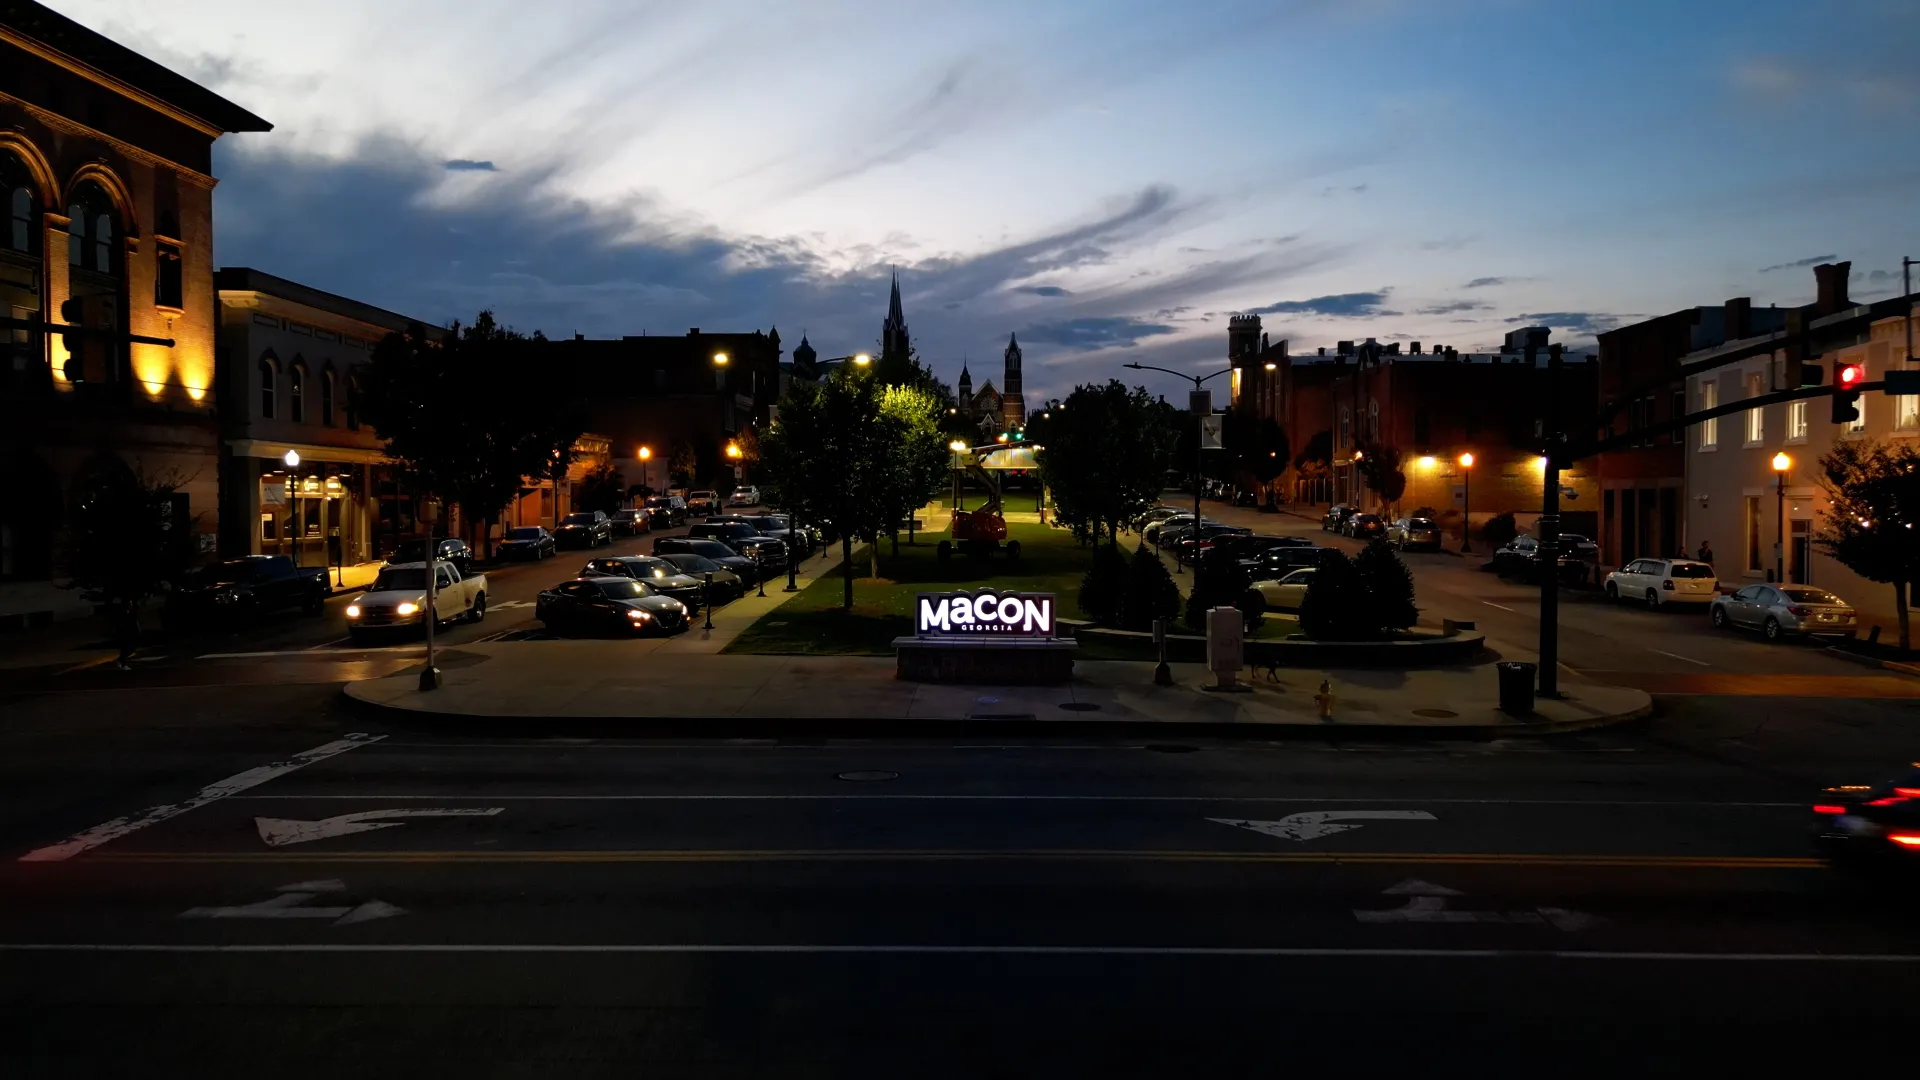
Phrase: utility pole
{"type": "Point", "coordinates": [1550, 533]}
{"type": "Point", "coordinates": [1906, 290]}
{"type": "Point", "coordinates": [1201, 405]}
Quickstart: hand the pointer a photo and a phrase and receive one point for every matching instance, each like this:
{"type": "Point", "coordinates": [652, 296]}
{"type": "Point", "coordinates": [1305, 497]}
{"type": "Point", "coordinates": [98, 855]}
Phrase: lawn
{"type": "Point", "coordinates": [1050, 562]}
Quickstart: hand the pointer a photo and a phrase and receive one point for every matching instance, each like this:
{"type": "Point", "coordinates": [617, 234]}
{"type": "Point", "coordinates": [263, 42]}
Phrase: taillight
{"type": "Point", "coordinates": [1799, 611]}
{"type": "Point", "coordinates": [1667, 584]}
{"type": "Point", "coordinates": [1904, 839]}
{"type": "Point", "coordinates": [1891, 800]}
{"type": "Point", "coordinates": [1825, 809]}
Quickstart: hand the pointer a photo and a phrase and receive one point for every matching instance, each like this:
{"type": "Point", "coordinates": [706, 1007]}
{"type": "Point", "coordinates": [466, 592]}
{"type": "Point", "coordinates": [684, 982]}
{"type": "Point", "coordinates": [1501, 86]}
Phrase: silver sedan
{"type": "Point", "coordinates": [1782, 610]}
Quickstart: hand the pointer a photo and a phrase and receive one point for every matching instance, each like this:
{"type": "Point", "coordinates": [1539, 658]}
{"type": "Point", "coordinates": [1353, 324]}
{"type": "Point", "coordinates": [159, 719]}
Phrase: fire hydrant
{"type": "Point", "coordinates": [1325, 699]}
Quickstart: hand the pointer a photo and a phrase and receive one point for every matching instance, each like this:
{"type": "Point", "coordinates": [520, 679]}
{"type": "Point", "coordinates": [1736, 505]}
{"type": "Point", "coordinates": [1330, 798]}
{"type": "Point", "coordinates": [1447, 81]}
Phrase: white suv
{"type": "Point", "coordinates": [1664, 581]}
{"type": "Point", "coordinates": [747, 495]}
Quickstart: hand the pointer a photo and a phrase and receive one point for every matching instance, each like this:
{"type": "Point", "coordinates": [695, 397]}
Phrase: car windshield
{"type": "Point", "coordinates": [701, 495]}
{"type": "Point", "coordinates": [1365, 519]}
{"type": "Point", "coordinates": [527, 533]}
{"type": "Point", "coordinates": [1690, 570]}
{"type": "Point", "coordinates": [622, 588]}
{"type": "Point", "coordinates": [712, 549]}
{"type": "Point", "coordinates": [411, 551]}
{"type": "Point", "coordinates": [694, 564]}
{"type": "Point", "coordinates": [1574, 538]}
{"type": "Point", "coordinates": [1803, 594]}
{"type": "Point", "coordinates": [659, 502]}
{"type": "Point", "coordinates": [652, 568]}
{"type": "Point", "coordinates": [400, 581]}
{"type": "Point", "coordinates": [1419, 523]}
{"type": "Point", "coordinates": [579, 519]}
{"type": "Point", "coordinates": [1298, 577]}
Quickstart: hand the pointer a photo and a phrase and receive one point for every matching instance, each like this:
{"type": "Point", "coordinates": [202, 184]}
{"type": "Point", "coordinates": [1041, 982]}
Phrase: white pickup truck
{"type": "Point", "coordinates": [398, 598]}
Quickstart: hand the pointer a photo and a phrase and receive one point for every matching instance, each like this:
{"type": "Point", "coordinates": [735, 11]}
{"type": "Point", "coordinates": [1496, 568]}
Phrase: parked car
{"type": "Point", "coordinates": [1871, 824]}
{"type": "Point", "coordinates": [666, 578]}
{"type": "Point", "coordinates": [397, 599]}
{"type": "Point", "coordinates": [238, 591]}
{"type": "Point", "coordinates": [1191, 542]}
{"type": "Point", "coordinates": [745, 495]}
{"type": "Point", "coordinates": [1786, 610]}
{"type": "Point", "coordinates": [1155, 532]}
{"type": "Point", "coordinates": [1285, 594]}
{"type": "Point", "coordinates": [732, 532]}
{"type": "Point", "coordinates": [1157, 514]}
{"type": "Point", "coordinates": [585, 529]}
{"type": "Point", "coordinates": [1663, 581]}
{"type": "Point", "coordinates": [1246, 548]}
{"type": "Point", "coordinates": [667, 511]}
{"type": "Point", "coordinates": [1335, 517]}
{"type": "Point", "coordinates": [1363, 526]}
{"type": "Point", "coordinates": [630, 522]}
{"type": "Point", "coordinates": [527, 542]}
{"type": "Point", "coordinates": [1412, 532]}
{"type": "Point", "coordinates": [713, 550]}
{"type": "Point", "coordinates": [1520, 557]}
{"type": "Point", "coordinates": [617, 604]}
{"type": "Point", "coordinates": [769, 553]}
{"type": "Point", "coordinates": [778, 525]}
{"type": "Point", "coordinates": [446, 550]}
{"type": "Point", "coordinates": [727, 585]}
{"type": "Point", "coordinates": [703, 502]}
{"type": "Point", "coordinates": [1278, 562]}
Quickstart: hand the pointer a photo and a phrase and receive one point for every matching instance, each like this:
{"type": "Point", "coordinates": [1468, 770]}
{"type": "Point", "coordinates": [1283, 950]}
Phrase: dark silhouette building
{"type": "Point", "coordinates": [1014, 403]}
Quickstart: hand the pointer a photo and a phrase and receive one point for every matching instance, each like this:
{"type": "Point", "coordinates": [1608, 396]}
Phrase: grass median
{"type": "Point", "coordinates": [813, 623]}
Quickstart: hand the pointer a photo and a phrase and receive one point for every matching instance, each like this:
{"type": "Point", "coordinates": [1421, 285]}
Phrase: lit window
{"type": "Point", "coordinates": [1796, 420]}
{"type": "Point", "coordinates": [1756, 417]}
{"type": "Point", "coordinates": [1709, 428]}
{"type": "Point", "coordinates": [91, 227]}
{"type": "Point", "coordinates": [20, 219]}
{"type": "Point", "coordinates": [1906, 412]}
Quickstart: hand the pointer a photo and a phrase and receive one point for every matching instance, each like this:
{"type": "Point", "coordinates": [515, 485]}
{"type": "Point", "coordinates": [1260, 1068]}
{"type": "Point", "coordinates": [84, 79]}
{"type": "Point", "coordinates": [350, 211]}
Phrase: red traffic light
{"type": "Point", "coordinates": [1849, 376]}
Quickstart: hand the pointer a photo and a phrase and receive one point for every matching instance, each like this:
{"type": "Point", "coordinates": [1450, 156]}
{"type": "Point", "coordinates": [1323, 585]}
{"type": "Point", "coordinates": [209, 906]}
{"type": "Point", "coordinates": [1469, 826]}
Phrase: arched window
{"type": "Point", "coordinates": [297, 393]}
{"type": "Point", "coordinates": [326, 397]}
{"type": "Point", "coordinates": [16, 185]}
{"type": "Point", "coordinates": [266, 388]}
{"type": "Point", "coordinates": [353, 401]}
{"type": "Point", "coordinates": [92, 231]}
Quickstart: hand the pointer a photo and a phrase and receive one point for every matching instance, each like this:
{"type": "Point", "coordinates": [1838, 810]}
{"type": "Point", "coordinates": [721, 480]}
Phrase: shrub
{"type": "Point", "coordinates": [1151, 593]}
{"type": "Point", "coordinates": [1104, 587]}
{"type": "Point", "coordinates": [1221, 583]}
{"type": "Point", "coordinates": [1499, 529]}
{"type": "Point", "coordinates": [1335, 607]}
{"type": "Point", "coordinates": [1389, 588]}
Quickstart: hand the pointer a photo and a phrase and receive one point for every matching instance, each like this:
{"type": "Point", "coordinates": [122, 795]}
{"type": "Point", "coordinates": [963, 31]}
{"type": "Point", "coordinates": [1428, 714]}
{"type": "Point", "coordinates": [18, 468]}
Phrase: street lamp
{"type": "Point", "coordinates": [292, 458]}
{"type": "Point", "coordinates": [646, 468]}
{"type": "Point", "coordinates": [1782, 464]}
{"type": "Point", "coordinates": [958, 447]}
{"type": "Point", "coordinates": [734, 452]}
{"type": "Point", "coordinates": [1200, 421]}
{"type": "Point", "coordinates": [720, 359]}
{"type": "Point", "coordinates": [1466, 501]}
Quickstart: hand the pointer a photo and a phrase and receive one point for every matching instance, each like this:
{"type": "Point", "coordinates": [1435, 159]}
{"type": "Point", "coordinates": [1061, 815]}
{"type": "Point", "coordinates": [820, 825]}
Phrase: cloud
{"type": "Point", "coordinates": [1084, 335]}
{"type": "Point", "coordinates": [1452, 242]}
{"type": "Point", "coordinates": [1354, 189]}
{"type": "Point", "coordinates": [1485, 282]}
{"type": "Point", "coordinates": [1453, 307]}
{"type": "Point", "coordinates": [1340, 305]}
{"type": "Point", "coordinates": [1771, 76]}
{"type": "Point", "coordinates": [1811, 260]}
{"type": "Point", "coordinates": [1587, 323]}
{"type": "Point", "coordinates": [468, 165]}
{"type": "Point", "coordinates": [1043, 290]}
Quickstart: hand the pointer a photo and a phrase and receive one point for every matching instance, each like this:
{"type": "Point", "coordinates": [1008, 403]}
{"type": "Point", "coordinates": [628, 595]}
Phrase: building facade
{"type": "Point", "coordinates": [106, 179]}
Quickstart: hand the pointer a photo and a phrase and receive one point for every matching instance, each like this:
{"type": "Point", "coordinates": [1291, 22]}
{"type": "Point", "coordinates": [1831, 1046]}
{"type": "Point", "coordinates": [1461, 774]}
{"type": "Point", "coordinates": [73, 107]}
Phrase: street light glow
{"type": "Point", "coordinates": [734, 451]}
{"type": "Point", "coordinates": [1466, 460]}
{"type": "Point", "coordinates": [1271, 366]}
{"type": "Point", "coordinates": [1781, 462]}
{"type": "Point", "coordinates": [720, 359]}
{"type": "Point", "coordinates": [1426, 461]}
{"type": "Point", "coordinates": [292, 459]}
{"type": "Point", "coordinates": [957, 446]}
{"type": "Point", "coordinates": [862, 359]}
{"type": "Point", "coordinates": [646, 453]}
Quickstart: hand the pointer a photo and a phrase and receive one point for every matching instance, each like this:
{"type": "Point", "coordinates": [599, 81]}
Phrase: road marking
{"type": "Point", "coordinates": [1427, 903]}
{"type": "Point", "coordinates": [289, 905]}
{"type": "Point", "coordinates": [508, 605]}
{"type": "Point", "coordinates": [878, 797]}
{"type": "Point", "coordinates": [1677, 656]}
{"type": "Point", "coordinates": [1502, 607]}
{"type": "Point", "coordinates": [280, 832]}
{"type": "Point", "coordinates": [329, 644]}
{"type": "Point", "coordinates": [1416, 858]}
{"type": "Point", "coordinates": [153, 815]}
{"type": "Point", "coordinates": [85, 664]}
{"type": "Point", "coordinates": [1250, 951]}
{"type": "Point", "coordinates": [1313, 824]}
{"type": "Point", "coordinates": [304, 652]}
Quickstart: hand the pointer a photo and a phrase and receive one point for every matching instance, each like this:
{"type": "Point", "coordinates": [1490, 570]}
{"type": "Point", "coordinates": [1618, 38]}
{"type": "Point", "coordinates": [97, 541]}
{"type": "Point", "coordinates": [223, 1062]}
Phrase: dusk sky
{"type": "Point", "coordinates": [1108, 179]}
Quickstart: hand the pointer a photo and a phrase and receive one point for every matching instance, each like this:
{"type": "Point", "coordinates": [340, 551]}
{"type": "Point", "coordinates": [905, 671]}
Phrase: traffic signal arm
{"type": "Point", "coordinates": [1637, 436]}
{"type": "Point", "coordinates": [81, 331]}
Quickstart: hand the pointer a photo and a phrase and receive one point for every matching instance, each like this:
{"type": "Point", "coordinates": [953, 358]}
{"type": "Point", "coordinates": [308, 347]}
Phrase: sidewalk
{"type": "Point", "coordinates": [616, 685]}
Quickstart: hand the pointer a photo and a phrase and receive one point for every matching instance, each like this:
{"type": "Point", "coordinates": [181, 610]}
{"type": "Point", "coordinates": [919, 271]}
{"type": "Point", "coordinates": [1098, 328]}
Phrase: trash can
{"type": "Point", "coordinates": [1516, 687]}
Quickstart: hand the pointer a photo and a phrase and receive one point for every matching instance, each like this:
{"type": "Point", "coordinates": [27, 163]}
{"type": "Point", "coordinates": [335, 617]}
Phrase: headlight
{"type": "Point", "coordinates": [637, 615]}
{"type": "Point", "coordinates": [225, 597]}
{"type": "Point", "coordinates": [407, 607]}
{"type": "Point", "coordinates": [353, 611]}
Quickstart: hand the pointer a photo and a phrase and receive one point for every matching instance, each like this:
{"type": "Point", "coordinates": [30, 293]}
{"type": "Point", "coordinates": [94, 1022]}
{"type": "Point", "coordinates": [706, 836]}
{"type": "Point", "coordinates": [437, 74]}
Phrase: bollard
{"type": "Point", "coordinates": [1325, 699]}
{"type": "Point", "coordinates": [1162, 674]}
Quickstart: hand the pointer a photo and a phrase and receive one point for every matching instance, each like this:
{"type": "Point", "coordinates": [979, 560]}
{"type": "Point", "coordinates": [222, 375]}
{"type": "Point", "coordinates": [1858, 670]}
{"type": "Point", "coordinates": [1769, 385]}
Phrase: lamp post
{"type": "Point", "coordinates": [1466, 501]}
{"type": "Point", "coordinates": [646, 468]}
{"type": "Point", "coordinates": [1782, 464]}
{"type": "Point", "coordinates": [957, 448]}
{"type": "Point", "coordinates": [1199, 432]}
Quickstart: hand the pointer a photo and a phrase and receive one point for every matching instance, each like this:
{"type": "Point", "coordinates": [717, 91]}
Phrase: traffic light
{"type": "Point", "coordinates": [1799, 372]}
{"type": "Point", "coordinates": [1846, 394]}
{"type": "Point", "coordinates": [84, 360]}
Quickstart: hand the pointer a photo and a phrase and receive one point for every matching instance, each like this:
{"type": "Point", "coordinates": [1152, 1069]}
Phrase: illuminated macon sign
{"type": "Point", "coordinates": [964, 614]}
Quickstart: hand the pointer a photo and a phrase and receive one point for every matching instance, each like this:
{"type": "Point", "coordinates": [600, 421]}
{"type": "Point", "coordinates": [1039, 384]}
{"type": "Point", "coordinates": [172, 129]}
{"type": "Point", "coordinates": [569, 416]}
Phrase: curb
{"type": "Point", "coordinates": [1868, 661]}
{"type": "Point", "coordinates": [737, 727]}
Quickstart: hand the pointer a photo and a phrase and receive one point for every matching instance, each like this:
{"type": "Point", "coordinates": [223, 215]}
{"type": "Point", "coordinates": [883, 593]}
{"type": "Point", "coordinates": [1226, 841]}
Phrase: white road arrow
{"type": "Point", "coordinates": [1313, 824]}
{"type": "Point", "coordinates": [1427, 903]}
{"type": "Point", "coordinates": [508, 605]}
{"type": "Point", "coordinates": [279, 832]}
{"type": "Point", "coordinates": [287, 905]}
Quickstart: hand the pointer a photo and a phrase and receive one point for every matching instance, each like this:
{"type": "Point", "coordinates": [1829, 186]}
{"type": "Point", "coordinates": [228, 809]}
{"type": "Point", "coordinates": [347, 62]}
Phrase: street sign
{"type": "Point", "coordinates": [983, 613]}
{"type": "Point", "coordinates": [1903, 381]}
{"type": "Point", "coordinates": [1210, 432]}
{"type": "Point", "coordinates": [1200, 402]}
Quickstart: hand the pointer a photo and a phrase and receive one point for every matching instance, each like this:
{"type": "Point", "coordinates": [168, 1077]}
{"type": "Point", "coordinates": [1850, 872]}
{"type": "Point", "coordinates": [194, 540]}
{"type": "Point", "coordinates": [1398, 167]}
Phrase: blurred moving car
{"type": "Point", "coordinates": [712, 550]}
{"type": "Point", "coordinates": [1278, 562]}
{"type": "Point", "coordinates": [1520, 557]}
{"type": "Point", "coordinates": [1867, 824]}
{"type": "Point", "coordinates": [446, 550]}
{"type": "Point", "coordinates": [630, 522]}
{"type": "Point", "coordinates": [1363, 526]}
{"type": "Point", "coordinates": [1191, 542]}
{"type": "Point", "coordinates": [527, 542]}
{"type": "Point", "coordinates": [585, 529]}
{"type": "Point", "coordinates": [1336, 516]}
{"type": "Point", "coordinates": [703, 502]}
{"type": "Point", "coordinates": [397, 599]}
{"type": "Point", "coordinates": [733, 532]}
{"type": "Point", "coordinates": [1413, 532]}
{"type": "Point", "coordinates": [1285, 594]}
{"type": "Point", "coordinates": [610, 604]}
{"type": "Point", "coordinates": [727, 585]}
{"type": "Point", "coordinates": [1663, 581]}
{"type": "Point", "coordinates": [745, 495]}
{"type": "Point", "coordinates": [238, 591]}
{"type": "Point", "coordinates": [1779, 611]}
{"type": "Point", "coordinates": [665, 577]}
{"type": "Point", "coordinates": [667, 510]}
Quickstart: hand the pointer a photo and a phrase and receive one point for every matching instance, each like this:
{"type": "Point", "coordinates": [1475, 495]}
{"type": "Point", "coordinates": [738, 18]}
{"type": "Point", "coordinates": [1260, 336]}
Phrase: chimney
{"type": "Point", "coordinates": [1832, 281]}
{"type": "Point", "coordinates": [693, 331]}
{"type": "Point", "coordinates": [1414, 348]}
{"type": "Point", "coordinates": [1739, 317]}
{"type": "Point", "coordinates": [578, 336]}
{"type": "Point", "coordinates": [1323, 350]}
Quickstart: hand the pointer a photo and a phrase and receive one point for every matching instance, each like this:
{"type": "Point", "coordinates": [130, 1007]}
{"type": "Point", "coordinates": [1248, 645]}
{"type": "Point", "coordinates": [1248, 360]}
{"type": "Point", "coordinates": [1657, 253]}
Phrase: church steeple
{"type": "Point", "coordinates": [894, 343]}
{"type": "Point", "coordinates": [895, 317]}
{"type": "Point", "coordinates": [1013, 405]}
{"type": "Point", "coordinates": [803, 357]}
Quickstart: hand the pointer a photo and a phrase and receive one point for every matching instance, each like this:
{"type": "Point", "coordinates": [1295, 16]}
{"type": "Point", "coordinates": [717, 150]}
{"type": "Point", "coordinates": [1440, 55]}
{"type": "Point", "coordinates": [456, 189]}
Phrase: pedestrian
{"type": "Point", "coordinates": [126, 632]}
{"type": "Point", "coordinates": [1705, 554]}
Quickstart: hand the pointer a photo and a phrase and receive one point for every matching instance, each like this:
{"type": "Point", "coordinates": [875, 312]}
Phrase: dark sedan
{"type": "Point", "coordinates": [610, 604]}
{"type": "Point", "coordinates": [1870, 824]}
{"type": "Point", "coordinates": [719, 553]}
{"type": "Point", "coordinates": [1364, 526]}
{"type": "Point", "coordinates": [665, 577]}
{"type": "Point", "coordinates": [667, 510]}
{"type": "Point", "coordinates": [727, 585]}
{"type": "Point", "coordinates": [584, 530]}
{"type": "Point", "coordinates": [527, 542]}
{"type": "Point", "coordinates": [1277, 562]}
{"type": "Point", "coordinates": [240, 590]}
{"type": "Point", "coordinates": [631, 522]}
{"type": "Point", "coordinates": [1335, 517]}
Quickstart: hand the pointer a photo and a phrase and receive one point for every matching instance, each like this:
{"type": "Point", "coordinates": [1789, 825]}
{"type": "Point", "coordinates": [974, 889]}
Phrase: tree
{"type": "Point", "coordinates": [1389, 588]}
{"type": "Point", "coordinates": [681, 463]}
{"type": "Point", "coordinates": [1869, 525]}
{"type": "Point", "coordinates": [1105, 457]}
{"type": "Point", "coordinates": [917, 459]}
{"type": "Point", "coordinates": [1334, 608]}
{"type": "Point", "coordinates": [1150, 594]}
{"type": "Point", "coordinates": [827, 459]}
{"type": "Point", "coordinates": [1499, 530]}
{"type": "Point", "coordinates": [127, 533]}
{"type": "Point", "coordinates": [1380, 467]}
{"type": "Point", "coordinates": [603, 488]}
{"type": "Point", "coordinates": [1103, 591]}
{"type": "Point", "coordinates": [1219, 581]}
{"type": "Point", "coordinates": [1261, 445]}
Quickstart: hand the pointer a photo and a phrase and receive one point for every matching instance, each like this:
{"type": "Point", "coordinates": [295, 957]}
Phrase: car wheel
{"type": "Point", "coordinates": [1772, 629]}
{"type": "Point", "coordinates": [1719, 616]}
{"type": "Point", "coordinates": [1613, 592]}
{"type": "Point", "coordinates": [479, 611]}
{"type": "Point", "coordinates": [1013, 549]}
{"type": "Point", "coordinates": [1653, 598]}
{"type": "Point", "coordinates": [315, 603]}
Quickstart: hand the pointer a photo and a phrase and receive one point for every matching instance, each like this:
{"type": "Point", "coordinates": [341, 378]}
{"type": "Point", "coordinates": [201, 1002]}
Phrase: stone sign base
{"type": "Point", "coordinates": [1002, 662]}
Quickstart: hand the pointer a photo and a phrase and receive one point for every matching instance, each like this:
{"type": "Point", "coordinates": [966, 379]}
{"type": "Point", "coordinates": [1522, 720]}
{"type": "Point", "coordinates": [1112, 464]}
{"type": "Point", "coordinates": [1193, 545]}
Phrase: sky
{"type": "Point", "coordinates": [1109, 179]}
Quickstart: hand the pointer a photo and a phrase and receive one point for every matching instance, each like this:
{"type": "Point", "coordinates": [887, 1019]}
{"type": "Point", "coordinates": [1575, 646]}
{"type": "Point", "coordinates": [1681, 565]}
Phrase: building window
{"type": "Point", "coordinates": [266, 389]}
{"type": "Point", "coordinates": [19, 218]}
{"type": "Point", "coordinates": [92, 230]}
{"type": "Point", "coordinates": [168, 287]}
{"type": "Point", "coordinates": [353, 401]}
{"type": "Point", "coordinates": [1709, 398]}
{"type": "Point", "coordinates": [1753, 532]}
{"type": "Point", "coordinates": [326, 397]}
{"type": "Point", "coordinates": [1756, 418]}
{"type": "Point", "coordinates": [297, 393]}
{"type": "Point", "coordinates": [1796, 421]}
{"type": "Point", "coordinates": [1906, 412]}
{"type": "Point", "coordinates": [1677, 410]}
